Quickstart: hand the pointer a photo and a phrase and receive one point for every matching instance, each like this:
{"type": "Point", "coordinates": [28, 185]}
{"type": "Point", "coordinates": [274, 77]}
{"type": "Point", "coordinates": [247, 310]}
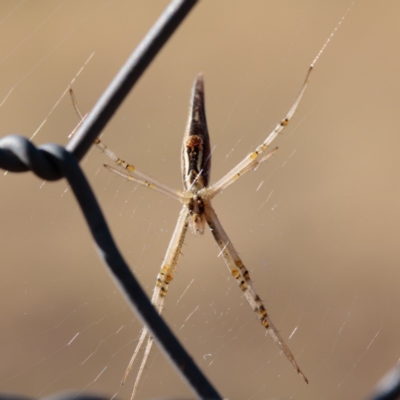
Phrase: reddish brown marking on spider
{"type": "Point", "coordinates": [194, 142]}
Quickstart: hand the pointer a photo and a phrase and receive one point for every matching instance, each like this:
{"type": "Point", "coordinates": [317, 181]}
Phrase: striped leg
{"type": "Point", "coordinates": [132, 173]}
{"type": "Point", "coordinates": [164, 278]}
{"type": "Point", "coordinates": [242, 276]}
{"type": "Point", "coordinates": [252, 160]}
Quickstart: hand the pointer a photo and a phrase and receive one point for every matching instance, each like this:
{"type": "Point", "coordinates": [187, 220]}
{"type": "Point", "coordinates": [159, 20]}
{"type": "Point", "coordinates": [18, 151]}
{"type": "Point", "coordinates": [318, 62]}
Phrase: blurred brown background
{"type": "Point", "coordinates": [320, 236]}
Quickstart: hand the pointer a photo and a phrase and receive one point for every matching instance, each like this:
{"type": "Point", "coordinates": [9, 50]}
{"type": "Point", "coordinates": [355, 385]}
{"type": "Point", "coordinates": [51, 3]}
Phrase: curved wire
{"type": "Point", "coordinates": [51, 162]}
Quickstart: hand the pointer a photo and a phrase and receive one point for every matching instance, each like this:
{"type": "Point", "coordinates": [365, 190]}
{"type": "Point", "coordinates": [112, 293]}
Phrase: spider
{"type": "Point", "coordinates": [197, 211]}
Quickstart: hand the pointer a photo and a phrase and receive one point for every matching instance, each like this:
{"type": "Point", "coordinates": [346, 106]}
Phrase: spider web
{"type": "Point", "coordinates": [317, 225]}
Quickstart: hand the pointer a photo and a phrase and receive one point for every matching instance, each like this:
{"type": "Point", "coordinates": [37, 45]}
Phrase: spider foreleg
{"type": "Point", "coordinates": [254, 158]}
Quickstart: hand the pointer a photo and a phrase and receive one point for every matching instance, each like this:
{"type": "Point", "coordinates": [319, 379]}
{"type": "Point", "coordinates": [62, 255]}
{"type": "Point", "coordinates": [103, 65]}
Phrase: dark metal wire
{"type": "Point", "coordinates": [51, 162]}
{"type": "Point", "coordinates": [389, 387]}
{"type": "Point", "coordinates": [58, 396]}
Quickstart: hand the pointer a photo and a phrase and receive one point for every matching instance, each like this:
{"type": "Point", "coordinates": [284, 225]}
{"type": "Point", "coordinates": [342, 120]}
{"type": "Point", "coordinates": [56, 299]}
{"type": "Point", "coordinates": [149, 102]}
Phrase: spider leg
{"type": "Point", "coordinates": [242, 276]}
{"type": "Point", "coordinates": [252, 160]}
{"type": "Point", "coordinates": [165, 276]}
{"type": "Point", "coordinates": [146, 354]}
{"type": "Point", "coordinates": [135, 175]}
{"type": "Point", "coordinates": [228, 179]}
{"type": "Point", "coordinates": [132, 174]}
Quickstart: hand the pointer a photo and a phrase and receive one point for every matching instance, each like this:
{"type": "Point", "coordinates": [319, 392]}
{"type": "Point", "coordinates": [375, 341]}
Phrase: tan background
{"type": "Point", "coordinates": [320, 236]}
